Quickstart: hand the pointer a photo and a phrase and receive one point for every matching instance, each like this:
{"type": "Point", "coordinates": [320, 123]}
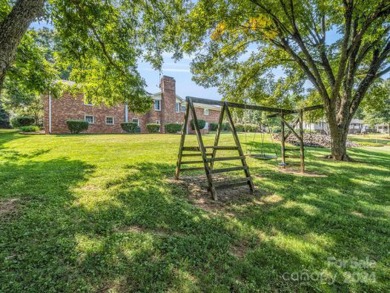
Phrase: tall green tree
{"type": "Point", "coordinates": [29, 77]}
{"type": "Point", "coordinates": [341, 47]}
{"type": "Point", "coordinates": [376, 107]}
{"type": "Point", "coordinates": [101, 40]}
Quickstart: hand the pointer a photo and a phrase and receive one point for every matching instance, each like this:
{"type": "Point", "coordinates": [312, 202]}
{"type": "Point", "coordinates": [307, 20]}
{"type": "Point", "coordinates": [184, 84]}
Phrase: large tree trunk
{"type": "Point", "coordinates": [339, 142]}
{"type": "Point", "coordinates": [12, 29]}
{"type": "Point", "coordinates": [339, 119]}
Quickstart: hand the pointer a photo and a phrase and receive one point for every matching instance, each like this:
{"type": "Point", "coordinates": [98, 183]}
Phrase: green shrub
{"type": "Point", "coordinates": [77, 126]}
{"type": "Point", "coordinates": [226, 126]}
{"type": "Point", "coordinates": [172, 127]}
{"type": "Point", "coordinates": [201, 124]}
{"type": "Point", "coordinates": [239, 127]}
{"type": "Point", "coordinates": [31, 128]}
{"type": "Point", "coordinates": [130, 127]}
{"type": "Point", "coordinates": [18, 122]}
{"type": "Point", "coordinates": [251, 127]}
{"type": "Point", "coordinates": [153, 127]}
{"type": "Point", "coordinates": [276, 130]}
{"type": "Point", "coordinates": [213, 126]}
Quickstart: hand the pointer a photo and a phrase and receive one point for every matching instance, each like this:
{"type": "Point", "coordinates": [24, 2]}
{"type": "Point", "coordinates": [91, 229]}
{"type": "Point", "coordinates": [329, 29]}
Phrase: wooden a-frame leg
{"type": "Point", "coordinates": [182, 140]}
{"type": "Point", "coordinates": [203, 151]}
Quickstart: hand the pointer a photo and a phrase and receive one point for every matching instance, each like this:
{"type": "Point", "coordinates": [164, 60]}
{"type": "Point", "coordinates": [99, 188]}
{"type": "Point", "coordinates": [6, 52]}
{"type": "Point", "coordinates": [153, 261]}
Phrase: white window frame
{"type": "Point", "coordinates": [206, 111]}
{"type": "Point", "coordinates": [113, 120]}
{"type": "Point", "coordinates": [159, 105]}
{"type": "Point", "coordinates": [177, 107]}
{"type": "Point", "coordinates": [183, 108]}
{"type": "Point", "coordinates": [132, 120]}
{"type": "Point", "coordinates": [93, 119]}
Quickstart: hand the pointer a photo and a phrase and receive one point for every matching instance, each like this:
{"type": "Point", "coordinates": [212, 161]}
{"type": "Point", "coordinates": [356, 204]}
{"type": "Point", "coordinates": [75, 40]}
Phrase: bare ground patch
{"type": "Point", "coordinates": [9, 207]}
{"type": "Point", "coordinates": [198, 194]}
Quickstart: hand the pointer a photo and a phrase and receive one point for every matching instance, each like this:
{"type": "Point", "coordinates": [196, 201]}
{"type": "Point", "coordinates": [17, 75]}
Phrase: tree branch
{"type": "Point", "coordinates": [372, 74]}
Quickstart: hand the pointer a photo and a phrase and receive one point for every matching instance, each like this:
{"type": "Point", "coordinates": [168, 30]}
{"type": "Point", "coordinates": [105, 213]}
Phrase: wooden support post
{"type": "Point", "coordinates": [283, 143]}
{"type": "Point", "coordinates": [219, 129]}
{"type": "Point", "coordinates": [302, 147]}
{"type": "Point", "coordinates": [241, 153]}
{"type": "Point", "coordinates": [182, 140]}
{"type": "Point", "coordinates": [203, 151]}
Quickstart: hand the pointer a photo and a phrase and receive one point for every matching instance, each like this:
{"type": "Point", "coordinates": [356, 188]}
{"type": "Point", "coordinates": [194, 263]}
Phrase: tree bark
{"type": "Point", "coordinates": [339, 142]}
{"type": "Point", "coordinates": [339, 118]}
{"type": "Point", "coordinates": [12, 29]}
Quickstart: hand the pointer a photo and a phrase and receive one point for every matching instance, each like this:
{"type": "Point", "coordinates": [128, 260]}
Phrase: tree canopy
{"type": "Point", "coordinates": [340, 47]}
{"type": "Point", "coordinates": [101, 41]}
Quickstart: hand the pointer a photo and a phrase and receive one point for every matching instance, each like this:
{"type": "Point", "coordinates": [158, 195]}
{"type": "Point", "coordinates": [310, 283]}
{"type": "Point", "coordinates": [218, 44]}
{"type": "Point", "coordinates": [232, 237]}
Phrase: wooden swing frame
{"type": "Point", "coordinates": [209, 153]}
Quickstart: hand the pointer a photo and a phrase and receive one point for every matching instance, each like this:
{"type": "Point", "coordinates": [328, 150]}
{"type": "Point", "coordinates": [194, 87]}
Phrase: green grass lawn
{"type": "Point", "coordinates": [101, 213]}
{"type": "Point", "coordinates": [371, 139]}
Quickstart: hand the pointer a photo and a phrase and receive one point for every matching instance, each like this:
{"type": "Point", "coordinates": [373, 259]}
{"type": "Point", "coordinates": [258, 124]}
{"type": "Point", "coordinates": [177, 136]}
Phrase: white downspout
{"type": "Point", "coordinates": [49, 112]}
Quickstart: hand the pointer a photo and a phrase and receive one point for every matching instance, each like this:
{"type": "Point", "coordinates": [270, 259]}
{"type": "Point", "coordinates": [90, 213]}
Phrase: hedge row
{"type": "Point", "coordinates": [30, 128]}
{"type": "Point", "coordinates": [201, 124]}
{"type": "Point", "coordinates": [172, 127]}
{"type": "Point", "coordinates": [130, 127]}
{"type": "Point", "coordinates": [247, 127]}
{"type": "Point", "coordinates": [153, 127]}
{"type": "Point", "coordinates": [214, 126]}
{"type": "Point", "coordinates": [77, 126]}
{"type": "Point", "coordinates": [18, 122]}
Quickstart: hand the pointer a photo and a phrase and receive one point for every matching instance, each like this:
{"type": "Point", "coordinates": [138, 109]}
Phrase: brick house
{"type": "Point", "coordinates": [167, 108]}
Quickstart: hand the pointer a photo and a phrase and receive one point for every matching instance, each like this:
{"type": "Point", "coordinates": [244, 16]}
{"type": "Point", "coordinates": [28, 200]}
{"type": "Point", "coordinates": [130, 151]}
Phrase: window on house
{"type": "Point", "coordinates": [157, 105]}
{"type": "Point", "coordinates": [206, 112]}
{"type": "Point", "coordinates": [183, 108]}
{"type": "Point", "coordinates": [157, 121]}
{"type": "Point", "coordinates": [109, 120]}
{"type": "Point", "coordinates": [90, 119]}
{"type": "Point", "coordinates": [177, 107]}
{"type": "Point", "coordinates": [135, 120]}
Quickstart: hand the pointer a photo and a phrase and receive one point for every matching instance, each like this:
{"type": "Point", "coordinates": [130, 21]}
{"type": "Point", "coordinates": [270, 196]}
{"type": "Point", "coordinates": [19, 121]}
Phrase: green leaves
{"type": "Point", "coordinates": [104, 40]}
{"type": "Point", "coordinates": [29, 77]}
{"type": "Point", "coordinates": [238, 44]}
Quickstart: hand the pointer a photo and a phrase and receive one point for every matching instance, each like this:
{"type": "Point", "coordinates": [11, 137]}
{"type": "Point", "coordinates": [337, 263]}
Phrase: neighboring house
{"type": "Point", "coordinates": [356, 126]}
{"type": "Point", "coordinates": [167, 108]}
{"type": "Point", "coordinates": [382, 128]}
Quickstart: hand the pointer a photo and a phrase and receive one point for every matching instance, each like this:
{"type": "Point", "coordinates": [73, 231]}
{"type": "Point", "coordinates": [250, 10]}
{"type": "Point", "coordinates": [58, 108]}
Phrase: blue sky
{"type": "Point", "coordinates": [180, 71]}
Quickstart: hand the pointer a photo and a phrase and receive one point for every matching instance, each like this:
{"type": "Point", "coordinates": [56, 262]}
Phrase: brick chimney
{"type": "Point", "coordinates": [168, 100]}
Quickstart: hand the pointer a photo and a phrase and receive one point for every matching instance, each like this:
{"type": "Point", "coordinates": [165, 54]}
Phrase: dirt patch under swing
{"type": "Point", "coordinates": [198, 194]}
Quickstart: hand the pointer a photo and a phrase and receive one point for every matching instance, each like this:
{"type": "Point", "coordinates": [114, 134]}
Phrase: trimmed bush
{"type": "Point", "coordinates": [226, 126]}
{"type": "Point", "coordinates": [201, 124]}
{"type": "Point", "coordinates": [251, 127]}
{"type": "Point", "coordinates": [239, 127]}
{"type": "Point", "coordinates": [18, 122]}
{"type": "Point", "coordinates": [77, 126]}
{"type": "Point", "coordinates": [30, 128]}
{"type": "Point", "coordinates": [130, 127]}
{"type": "Point", "coordinates": [153, 127]}
{"type": "Point", "coordinates": [172, 127]}
{"type": "Point", "coordinates": [213, 126]}
{"type": "Point", "coordinates": [276, 130]}
{"type": "Point", "coordinates": [246, 127]}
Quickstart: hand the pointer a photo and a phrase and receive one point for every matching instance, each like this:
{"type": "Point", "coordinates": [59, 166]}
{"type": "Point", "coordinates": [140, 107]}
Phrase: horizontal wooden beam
{"type": "Point", "coordinates": [240, 106]}
{"type": "Point", "coordinates": [306, 109]}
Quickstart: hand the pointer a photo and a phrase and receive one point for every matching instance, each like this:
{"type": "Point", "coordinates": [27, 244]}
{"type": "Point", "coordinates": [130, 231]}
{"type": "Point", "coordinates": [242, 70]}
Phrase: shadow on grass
{"type": "Point", "coordinates": [147, 236]}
